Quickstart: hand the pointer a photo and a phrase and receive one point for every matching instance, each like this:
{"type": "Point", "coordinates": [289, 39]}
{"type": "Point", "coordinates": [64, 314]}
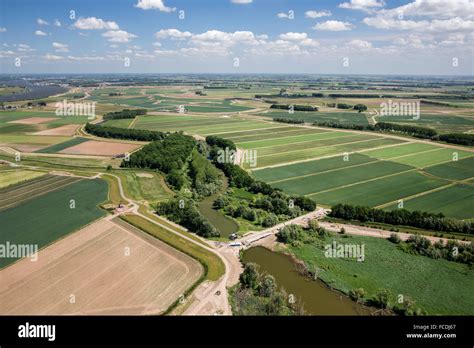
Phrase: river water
{"type": "Point", "coordinates": [223, 224]}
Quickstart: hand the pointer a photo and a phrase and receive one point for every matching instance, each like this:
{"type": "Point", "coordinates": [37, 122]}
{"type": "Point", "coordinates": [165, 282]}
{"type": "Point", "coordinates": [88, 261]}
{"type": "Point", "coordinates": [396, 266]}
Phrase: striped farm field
{"type": "Point", "coordinates": [48, 217]}
{"type": "Point", "coordinates": [289, 139]}
{"type": "Point", "coordinates": [203, 125]}
{"type": "Point", "coordinates": [280, 158]}
{"type": "Point", "coordinates": [380, 191]}
{"type": "Point", "coordinates": [14, 195]}
{"type": "Point", "coordinates": [267, 133]}
{"type": "Point", "coordinates": [402, 150]}
{"type": "Point", "coordinates": [272, 175]}
{"type": "Point", "coordinates": [454, 170]}
{"type": "Point", "coordinates": [64, 145]}
{"type": "Point", "coordinates": [431, 158]}
{"type": "Point", "coordinates": [12, 177]}
{"type": "Point", "coordinates": [319, 182]}
{"type": "Point", "coordinates": [454, 201]}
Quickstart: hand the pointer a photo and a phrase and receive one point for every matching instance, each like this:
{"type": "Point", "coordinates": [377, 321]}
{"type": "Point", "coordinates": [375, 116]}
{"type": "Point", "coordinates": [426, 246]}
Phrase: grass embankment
{"type": "Point", "coordinates": [114, 191]}
{"type": "Point", "coordinates": [213, 266]}
{"type": "Point", "coordinates": [431, 283]}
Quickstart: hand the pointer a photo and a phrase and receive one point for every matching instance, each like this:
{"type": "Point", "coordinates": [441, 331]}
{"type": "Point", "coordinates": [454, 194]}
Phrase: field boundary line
{"type": "Point", "coordinates": [362, 182]}
{"type": "Point", "coordinates": [132, 124]}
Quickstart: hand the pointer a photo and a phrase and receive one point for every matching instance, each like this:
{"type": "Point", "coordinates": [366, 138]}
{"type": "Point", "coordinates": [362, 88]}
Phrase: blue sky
{"type": "Point", "coordinates": [247, 36]}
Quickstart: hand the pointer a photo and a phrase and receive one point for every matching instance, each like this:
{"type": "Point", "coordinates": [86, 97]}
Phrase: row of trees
{"type": "Point", "coordinates": [124, 133]}
{"type": "Point", "coordinates": [184, 212]}
{"type": "Point", "coordinates": [458, 138]}
{"type": "Point", "coordinates": [425, 220]}
{"type": "Point", "coordinates": [295, 107]}
{"type": "Point", "coordinates": [288, 120]}
{"type": "Point", "coordinates": [415, 131]}
{"type": "Point", "coordinates": [126, 113]}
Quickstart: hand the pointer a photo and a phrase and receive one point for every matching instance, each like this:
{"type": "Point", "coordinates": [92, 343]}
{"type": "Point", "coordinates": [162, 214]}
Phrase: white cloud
{"type": "Point", "coordinates": [435, 25]}
{"type": "Point", "coordinates": [85, 58]}
{"type": "Point", "coordinates": [293, 36]}
{"type": "Point", "coordinates": [118, 36]}
{"type": "Point", "coordinates": [40, 33]}
{"type": "Point", "coordinates": [59, 47]}
{"type": "Point", "coordinates": [215, 37]}
{"type": "Point", "coordinates": [317, 14]}
{"type": "Point", "coordinates": [24, 48]}
{"type": "Point", "coordinates": [283, 15]}
{"type": "Point", "coordinates": [154, 5]}
{"type": "Point", "coordinates": [157, 44]}
{"type": "Point", "coordinates": [57, 23]}
{"type": "Point", "coordinates": [363, 5]}
{"type": "Point", "coordinates": [2, 30]}
{"type": "Point", "coordinates": [93, 23]}
{"type": "Point", "coordinates": [41, 22]}
{"type": "Point", "coordinates": [359, 44]}
{"type": "Point", "coordinates": [52, 57]}
{"type": "Point", "coordinates": [172, 34]}
{"type": "Point", "coordinates": [333, 26]}
{"type": "Point", "coordinates": [241, 2]}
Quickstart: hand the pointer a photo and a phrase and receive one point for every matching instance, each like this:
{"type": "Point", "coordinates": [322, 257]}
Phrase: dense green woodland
{"type": "Point", "coordinates": [124, 133]}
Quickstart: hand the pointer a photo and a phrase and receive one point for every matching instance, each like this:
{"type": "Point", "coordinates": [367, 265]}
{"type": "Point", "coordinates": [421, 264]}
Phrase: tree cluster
{"type": "Point", "coordinates": [126, 113]}
{"type": "Point", "coordinates": [425, 220]}
{"type": "Point", "coordinates": [296, 107]}
{"type": "Point", "coordinates": [124, 133]}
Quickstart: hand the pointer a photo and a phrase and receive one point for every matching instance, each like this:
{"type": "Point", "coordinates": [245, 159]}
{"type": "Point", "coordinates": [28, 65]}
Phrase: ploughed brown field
{"type": "Point", "coordinates": [68, 129]}
{"type": "Point", "coordinates": [107, 268]}
{"type": "Point", "coordinates": [100, 148]}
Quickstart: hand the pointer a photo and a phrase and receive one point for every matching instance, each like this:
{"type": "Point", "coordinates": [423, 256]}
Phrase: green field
{"type": "Point", "coordinates": [380, 191]}
{"type": "Point", "coordinates": [440, 287]}
{"type": "Point", "coordinates": [151, 189]}
{"type": "Point", "coordinates": [329, 150]}
{"type": "Point", "coordinates": [318, 182]}
{"type": "Point", "coordinates": [44, 219]}
{"type": "Point", "coordinates": [12, 177]}
{"type": "Point", "coordinates": [349, 117]}
{"type": "Point", "coordinates": [454, 170]}
{"type": "Point", "coordinates": [310, 167]}
{"type": "Point", "coordinates": [454, 201]}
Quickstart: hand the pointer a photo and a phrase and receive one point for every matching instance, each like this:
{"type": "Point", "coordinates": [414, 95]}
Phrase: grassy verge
{"type": "Point", "coordinates": [438, 286]}
{"type": "Point", "coordinates": [213, 266]}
